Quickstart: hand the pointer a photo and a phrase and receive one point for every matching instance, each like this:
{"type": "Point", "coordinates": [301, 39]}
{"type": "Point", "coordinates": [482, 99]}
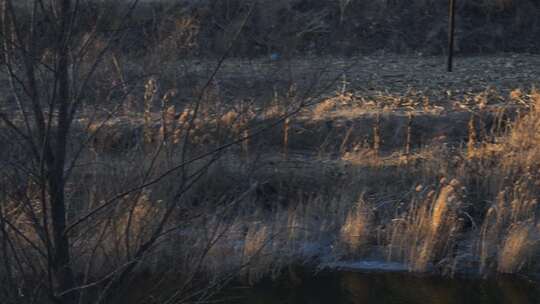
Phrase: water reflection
{"type": "Point", "coordinates": [391, 288]}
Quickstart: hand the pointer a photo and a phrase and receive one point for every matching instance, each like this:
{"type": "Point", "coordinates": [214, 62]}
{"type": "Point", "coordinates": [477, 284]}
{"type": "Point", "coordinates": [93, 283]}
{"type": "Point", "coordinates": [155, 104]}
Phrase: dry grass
{"type": "Point", "coordinates": [433, 226]}
{"type": "Point", "coordinates": [355, 232]}
{"type": "Point", "coordinates": [427, 233]}
{"type": "Point", "coordinates": [519, 246]}
{"type": "Point", "coordinates": [347, 187]}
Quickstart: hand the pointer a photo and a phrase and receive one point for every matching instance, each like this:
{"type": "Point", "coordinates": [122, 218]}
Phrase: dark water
{"type": "Point", "coordinates": [388, 288]}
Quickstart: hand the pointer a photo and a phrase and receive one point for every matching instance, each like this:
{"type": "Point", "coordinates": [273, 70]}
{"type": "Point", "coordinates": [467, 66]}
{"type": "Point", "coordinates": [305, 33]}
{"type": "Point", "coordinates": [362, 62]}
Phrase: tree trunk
{"type": "Point", "coordinates": [61, 266]}
{"type": "Point", "coordinates": [63, 272]}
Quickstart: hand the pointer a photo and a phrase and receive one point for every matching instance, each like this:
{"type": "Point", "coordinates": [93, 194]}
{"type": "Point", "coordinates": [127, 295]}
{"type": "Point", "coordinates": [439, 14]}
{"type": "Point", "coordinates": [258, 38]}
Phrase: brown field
{"type": "Point", "coordinates": [397, 160]}
{"type": "Point", "coordinates": [157, 152]}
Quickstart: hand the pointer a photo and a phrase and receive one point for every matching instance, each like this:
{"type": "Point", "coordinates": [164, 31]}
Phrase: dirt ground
{"type": "Point", "coordinates": [393, 74]}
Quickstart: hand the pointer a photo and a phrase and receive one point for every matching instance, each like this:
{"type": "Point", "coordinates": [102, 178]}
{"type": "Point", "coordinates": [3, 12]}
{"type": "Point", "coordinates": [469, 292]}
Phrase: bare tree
{"type": "Point", "coordinates": [57, 242]}
{"type": "Point", "coordinates": [44, 60]}
{"type": "Point", "coordinates": [54, 57]}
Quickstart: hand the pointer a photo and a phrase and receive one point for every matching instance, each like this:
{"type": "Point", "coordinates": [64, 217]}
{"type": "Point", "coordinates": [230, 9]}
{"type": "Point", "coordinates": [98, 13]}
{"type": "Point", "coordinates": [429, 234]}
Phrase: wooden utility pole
{"type": "Point", "coordinates": [451, 31]}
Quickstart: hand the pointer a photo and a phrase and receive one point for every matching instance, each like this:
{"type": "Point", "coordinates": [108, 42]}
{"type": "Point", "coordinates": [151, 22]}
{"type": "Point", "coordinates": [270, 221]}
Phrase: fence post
{"type": "Point", "coordinates": [451, 30]}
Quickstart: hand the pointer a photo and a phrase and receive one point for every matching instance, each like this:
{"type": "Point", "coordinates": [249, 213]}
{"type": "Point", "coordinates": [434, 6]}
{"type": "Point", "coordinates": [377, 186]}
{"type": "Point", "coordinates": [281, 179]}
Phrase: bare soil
{"type": "Point", "coordinates": [393, 74]}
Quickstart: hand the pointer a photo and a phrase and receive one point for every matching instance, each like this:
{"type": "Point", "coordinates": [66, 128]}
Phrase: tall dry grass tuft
{"type": "Point", "coordinates": [168, 114]}
{"type": "Point", "coordinates": [275, 109]}
{"type": "Point", "coordinates": [408, 140]}
{"type": "Point", "coordinates": [425, 235]}
{"type": "Point", "coordinates": [522, 144]}
{"type": "Point", "coordinates": [356, 230]}
{"type": "Point", "coordinates": [510, 233]}
{"type": "Point", "coordinates": [472, 141]}
{"type": "Point", "coordinates": [286, 130]}
{"type": "Point", "coordinates": [342, 98]}
{"type": "Point", "coordinates": [181, 124]}
{"type": "Point", "coordinates": [509, 237]}
{"type": "Point", "coordinates": [149, 97]}
{"type": "Point", "coordinates": [260, 252]}
{"type": "Point", "coordinates": [518, 247]}
{"type": "Point", "coordinates": [377, 140]}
